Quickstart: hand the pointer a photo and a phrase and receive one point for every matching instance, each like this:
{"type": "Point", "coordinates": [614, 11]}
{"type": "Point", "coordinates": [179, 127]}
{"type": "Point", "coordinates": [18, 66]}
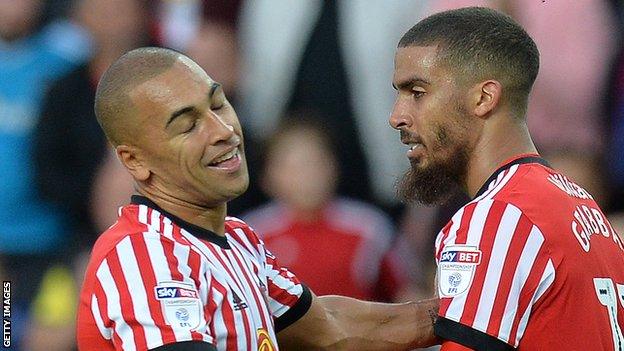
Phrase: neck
{"type": "Point", "coordinates": [502, 138]}
{"type": "Point", "coordinates": [211, 218]}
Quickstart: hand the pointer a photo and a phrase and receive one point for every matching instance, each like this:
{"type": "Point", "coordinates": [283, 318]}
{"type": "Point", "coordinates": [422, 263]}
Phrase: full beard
{"type": "Point", "coordinates": [442, 178]}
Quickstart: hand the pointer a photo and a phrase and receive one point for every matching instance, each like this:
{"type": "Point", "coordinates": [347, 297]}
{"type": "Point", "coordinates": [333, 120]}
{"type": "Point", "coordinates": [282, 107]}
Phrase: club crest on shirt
{"type": "Point", "coordinates": [264, 340]}
{"type": "Point", "coordinates": [180, 304]}
{"type": "Point", "coordinates": [456, 269]}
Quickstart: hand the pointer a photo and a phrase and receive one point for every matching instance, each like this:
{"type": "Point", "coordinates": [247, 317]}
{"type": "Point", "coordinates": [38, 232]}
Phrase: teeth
{"type": "Point", "coordinates": [225, 157]}
{"type": "Point", "coordinates": [413, 145]}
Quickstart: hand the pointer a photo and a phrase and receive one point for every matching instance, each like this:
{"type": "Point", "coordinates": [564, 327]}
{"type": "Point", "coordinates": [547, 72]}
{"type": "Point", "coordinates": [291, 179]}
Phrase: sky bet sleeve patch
{"type": "Point", "coordinates": [180, 304]}
{"type": "Point", "coordinates": [456, 269]}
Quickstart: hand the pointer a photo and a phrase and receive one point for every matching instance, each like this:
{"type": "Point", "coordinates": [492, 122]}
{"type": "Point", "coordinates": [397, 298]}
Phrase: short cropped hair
{"type": "Point", "coordinates": [479, 44]}
{"type": "Point", "coordinates": [112, 103]}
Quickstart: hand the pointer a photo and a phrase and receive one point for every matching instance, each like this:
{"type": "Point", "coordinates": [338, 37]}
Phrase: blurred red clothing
{"type": "Point", "coordinates": [345, 249]}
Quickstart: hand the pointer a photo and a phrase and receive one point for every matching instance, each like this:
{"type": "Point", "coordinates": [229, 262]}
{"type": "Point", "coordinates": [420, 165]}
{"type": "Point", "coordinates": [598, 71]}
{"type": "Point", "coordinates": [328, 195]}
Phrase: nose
{"type": "Point", "coordinates": [218, 129]}
{"type": "Point", "coordinates": [400, 117]}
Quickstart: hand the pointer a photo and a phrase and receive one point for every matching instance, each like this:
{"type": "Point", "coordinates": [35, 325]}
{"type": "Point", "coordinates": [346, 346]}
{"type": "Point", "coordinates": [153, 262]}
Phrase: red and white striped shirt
{"type": "Point", "coordinates": [531, 263]}
{"type": "Point", "coordinates": [154, 279]}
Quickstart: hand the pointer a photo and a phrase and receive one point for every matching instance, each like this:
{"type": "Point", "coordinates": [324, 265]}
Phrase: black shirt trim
{"type": "Point", "coordinates": [464, 335]}
{"type": "Point", "coordinates": [196, 230]}
{"type": "Point", "coordinates": [297, 311]}
{"type": "Point", "coordinates": [519, 161]}
{"type": "Point", "coordinates": [187, 346]}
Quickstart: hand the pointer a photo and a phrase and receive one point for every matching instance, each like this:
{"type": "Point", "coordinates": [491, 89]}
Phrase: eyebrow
{"type": "Point", "coordinates": [410, 82]}
{"type": "Point", "coordinates": [213, 88]}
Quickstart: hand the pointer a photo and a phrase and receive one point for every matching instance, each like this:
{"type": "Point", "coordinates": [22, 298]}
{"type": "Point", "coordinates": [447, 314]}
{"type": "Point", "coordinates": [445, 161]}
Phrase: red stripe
{"type": "Point", "coordinates": [172, 260]}
{"type": "Point", "coordinates": [234, 277]}
{"type": "Point", "coordinates": [462, 231]}
{"type": "Point", "coordinates": [149, 280]}
{"type": "Point", "coordinates": [280, 295]}
{"type": "Point", "coordinates": [255, 290]}
{"type": "Point", "coordinates": [229, 272]}
{"type": "Point", "coordinates": [508, 273]}
{"type": "Point", "coordinates": [528, 290]}
{"type": "Point", "coordinates": [210, 308]}
{"type": "Point", "coordinates": [228, 317]}
{"type": "Point", "coordinates": [125, 300]}
{"type": "Point", "coordinates": [490, 227]}
{"type": "Point", "coordinates": [102, 303]}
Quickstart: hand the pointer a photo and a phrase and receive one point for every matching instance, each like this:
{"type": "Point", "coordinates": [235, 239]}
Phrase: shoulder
{"type": "Point", "coordinates": [240, 231]}
{"type": "Point", "coordinates": [490, 225]}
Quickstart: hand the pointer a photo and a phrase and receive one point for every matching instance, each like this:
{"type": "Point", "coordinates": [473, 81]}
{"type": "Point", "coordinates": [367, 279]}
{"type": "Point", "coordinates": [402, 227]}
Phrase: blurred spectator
{"type": "Point", "coordinates": [615, 108]}
{"type": "Point", "coordinates": [335, 57]}
{"type": "Point", "coordinates": [336, 245]}
{"type": "Point", "coordinates": [70, 146]}
{"type": "Point", "coordinates": [75, 169]}
{"type": "Point", "coordinates": [31, 55]}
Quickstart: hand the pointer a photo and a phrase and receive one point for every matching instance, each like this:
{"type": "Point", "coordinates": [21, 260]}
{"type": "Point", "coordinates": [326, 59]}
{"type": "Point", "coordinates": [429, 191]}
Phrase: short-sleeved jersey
{"type": "Point", "coordinates": [531, 263]}
{"type": "Point", "coordinates": [154, 280]}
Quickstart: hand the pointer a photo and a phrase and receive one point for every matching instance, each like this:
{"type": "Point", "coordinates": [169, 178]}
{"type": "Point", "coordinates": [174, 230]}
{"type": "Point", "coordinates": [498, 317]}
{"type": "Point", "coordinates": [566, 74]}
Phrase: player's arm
{"type": "Point", "coordinates": [342, 323]}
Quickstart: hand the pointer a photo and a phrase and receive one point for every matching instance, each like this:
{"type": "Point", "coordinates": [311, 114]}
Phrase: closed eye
{"type": "Point", "coordinates": [417, 94]}
{"type": "Point", "coordinates": [191, 127]}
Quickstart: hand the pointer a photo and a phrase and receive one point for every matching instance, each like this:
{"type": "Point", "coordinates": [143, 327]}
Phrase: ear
{"type": "Point", "coordinates": [486, 97]}
{"type": "Point", "coordinates": [128, 156]}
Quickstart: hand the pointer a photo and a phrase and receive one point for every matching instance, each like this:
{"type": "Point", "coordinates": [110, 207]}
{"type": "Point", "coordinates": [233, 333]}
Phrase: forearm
{"type": "Point", "coordinates": [379, 326]}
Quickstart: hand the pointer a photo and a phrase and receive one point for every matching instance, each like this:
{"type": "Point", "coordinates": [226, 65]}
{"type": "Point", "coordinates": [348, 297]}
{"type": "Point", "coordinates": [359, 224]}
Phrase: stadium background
{"type": "Point", "coordinates": [328, 63]}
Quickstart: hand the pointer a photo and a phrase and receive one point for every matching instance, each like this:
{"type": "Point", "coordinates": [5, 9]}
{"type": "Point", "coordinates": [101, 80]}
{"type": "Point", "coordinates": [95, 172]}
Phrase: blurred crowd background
{"type": "Point", "coordinates": [311, 82]}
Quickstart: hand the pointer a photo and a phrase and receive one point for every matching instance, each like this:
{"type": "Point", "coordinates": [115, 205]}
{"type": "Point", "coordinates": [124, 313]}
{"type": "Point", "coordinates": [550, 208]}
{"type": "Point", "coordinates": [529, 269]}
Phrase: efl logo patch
{"type": "Point", "coordinates": [456, 269]}
{"type": "Point", "coordinates": [180, 304]}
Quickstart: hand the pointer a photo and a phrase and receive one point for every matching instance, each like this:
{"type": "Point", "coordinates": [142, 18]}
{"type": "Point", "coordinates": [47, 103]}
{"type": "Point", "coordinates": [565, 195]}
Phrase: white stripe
{"type": "Point", "coordinates": [284, 284]}
{"type": "Point", "coordinates": [491, 186]}
{"type": "Point", "coordinates": [230, 281]}
{"type": "Point", "coordinates": [545, 282]}
{"type": "Point", "coordinates": [475, 230]}
{"type": "Point", "coordinates": [253, 291]}
{"type": "Point", "coordinates": [155, 221]}
{"type": "Point", "coordinates": [252, 311]}
{"type": "Point", "coordinates": [107, 333]}
{"type": "Point", "coordinates": [161, 271]}
{"type": "Point", "coordinates": [220, 328]}
{"type": "Point", "coordinates": [143, 214]}
{"type": "Point", "coordinates": [248, 245]}
{"type": "Point", "coordinates": [247, 248]}
{"type": "Point", "coordinates": [477, 222]}
{"type": "Point", "coordinates": [113, 306]}
{"type": "Point", "coordinates": [505, 232]}
{"type": "Point", "coordinates": [525, 265]}
{"type": "Point", "coordinates": [167, 228]}
{"type": "Point", "coordinates": [182, 252]}
{"type": "Point", "coordinates": [438, 242]}
{"type": "Point", "coordinates": [456, 219]}
{"type": "Point", "coordinates": [132, 275]}
{"type": "Point", "coordinates": [508, 176]}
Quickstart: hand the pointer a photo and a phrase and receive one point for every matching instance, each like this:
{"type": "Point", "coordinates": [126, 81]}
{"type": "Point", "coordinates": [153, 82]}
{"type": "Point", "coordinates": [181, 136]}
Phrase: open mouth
{"type": "Point", "coordinates": [228, 161]}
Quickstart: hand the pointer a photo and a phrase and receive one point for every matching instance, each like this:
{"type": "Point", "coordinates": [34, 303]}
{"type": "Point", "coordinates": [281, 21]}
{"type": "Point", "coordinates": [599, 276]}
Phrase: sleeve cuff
{"type": "Point", "coordinates": [298, 310]}
{"type": "Point", "coordinates": [187, 346]}
{"type": "Point", "coordinates": [464, 335]}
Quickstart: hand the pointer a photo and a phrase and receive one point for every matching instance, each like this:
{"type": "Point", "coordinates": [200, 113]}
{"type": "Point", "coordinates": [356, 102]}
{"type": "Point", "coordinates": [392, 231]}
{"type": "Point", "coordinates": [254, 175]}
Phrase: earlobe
{"type": "Point", "coordinates": [128, 157]}
{"type": "Point", "coordinates": [488, 96]}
